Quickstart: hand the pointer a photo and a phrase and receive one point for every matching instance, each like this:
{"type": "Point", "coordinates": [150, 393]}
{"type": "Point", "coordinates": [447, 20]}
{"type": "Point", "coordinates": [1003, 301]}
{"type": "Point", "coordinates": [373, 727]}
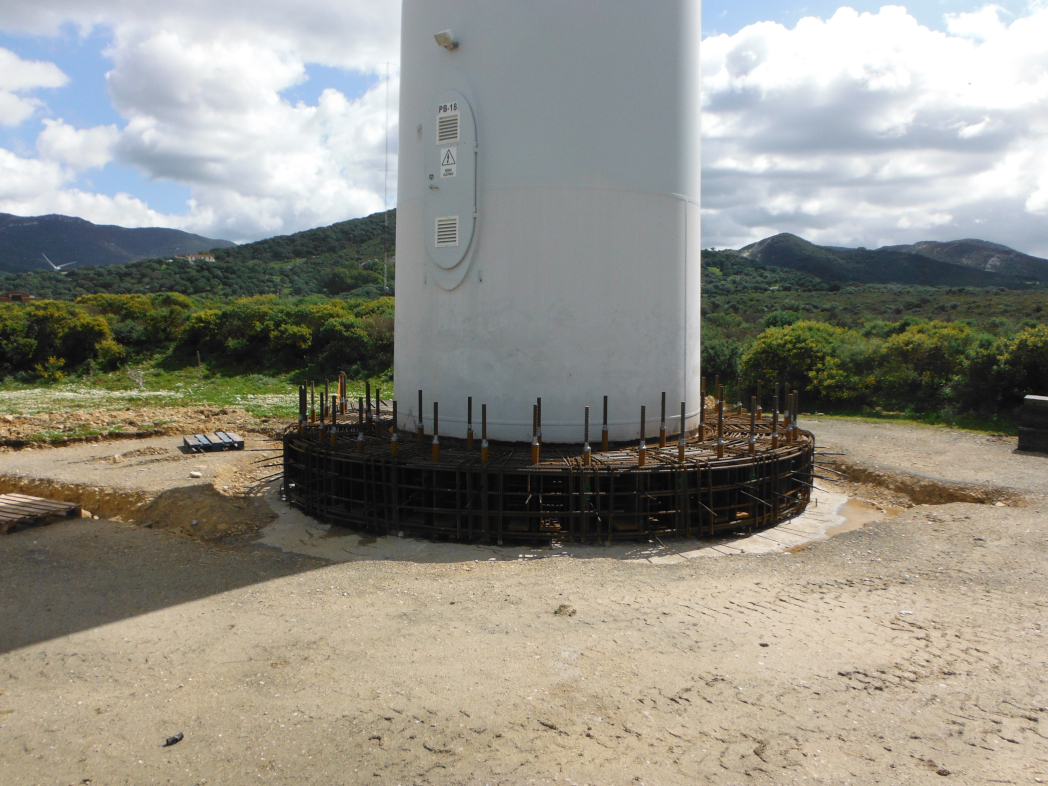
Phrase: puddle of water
{"type": "Point", "coordinates": [858, 514]}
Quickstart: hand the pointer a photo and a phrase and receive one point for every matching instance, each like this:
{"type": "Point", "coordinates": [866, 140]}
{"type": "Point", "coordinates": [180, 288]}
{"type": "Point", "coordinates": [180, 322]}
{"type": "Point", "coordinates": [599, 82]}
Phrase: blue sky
{"type": "Point", "coordinates": [724, 16]}
{"type": "Point", "coordinates": [247, 118]}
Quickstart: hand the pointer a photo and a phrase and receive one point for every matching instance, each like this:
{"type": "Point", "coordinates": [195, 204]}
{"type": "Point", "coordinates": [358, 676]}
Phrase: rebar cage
{"type": "Point", "coordinates": [350, 476]}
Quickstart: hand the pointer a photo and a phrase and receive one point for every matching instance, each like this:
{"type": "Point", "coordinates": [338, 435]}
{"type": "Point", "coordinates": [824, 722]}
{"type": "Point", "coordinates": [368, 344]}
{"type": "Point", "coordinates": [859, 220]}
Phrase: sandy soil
{"type": "Point", "coordinates": [909, 651]}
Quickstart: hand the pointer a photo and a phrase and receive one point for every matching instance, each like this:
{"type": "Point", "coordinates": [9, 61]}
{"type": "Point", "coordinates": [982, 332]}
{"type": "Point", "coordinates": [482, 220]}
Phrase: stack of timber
{"type": "Point", "coordinates": [1033, 427]}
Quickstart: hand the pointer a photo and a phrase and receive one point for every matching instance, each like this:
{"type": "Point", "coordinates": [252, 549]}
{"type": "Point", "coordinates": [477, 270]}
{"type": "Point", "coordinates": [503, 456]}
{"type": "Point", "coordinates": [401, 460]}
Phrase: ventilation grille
{"type": "Point", "coordinates": [447, 231]}
{"type": "Point", "coordinates": [447, 129]}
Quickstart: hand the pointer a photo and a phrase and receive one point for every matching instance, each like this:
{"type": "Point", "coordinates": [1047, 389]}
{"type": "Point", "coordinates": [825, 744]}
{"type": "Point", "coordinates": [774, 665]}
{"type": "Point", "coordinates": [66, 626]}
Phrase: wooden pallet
{"type": "Point", "coordinates": [218, 440]}
{"type": "Point", "coordinates": [21, 510]}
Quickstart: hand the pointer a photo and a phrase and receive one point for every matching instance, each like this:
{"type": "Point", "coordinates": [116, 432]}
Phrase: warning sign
{"type": "Point", "coordinates": [448, 161]}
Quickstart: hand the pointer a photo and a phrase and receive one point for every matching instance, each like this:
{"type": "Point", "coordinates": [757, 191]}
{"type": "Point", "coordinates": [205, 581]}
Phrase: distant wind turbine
{"type": "Point", "coordinates": [57, 267]}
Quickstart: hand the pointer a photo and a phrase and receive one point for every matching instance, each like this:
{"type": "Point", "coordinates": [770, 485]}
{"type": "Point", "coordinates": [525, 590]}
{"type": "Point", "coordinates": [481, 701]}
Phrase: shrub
{"type": "Point", "coordinates": [797, 352]}
{"type": "Point", "coordinates": [1022, 367]}
{"type": "Point", "coordinates": [721, 358]}
{"type": "Point", "coordinates": [51, 369]}
{"type": "Point", "coordinates": [924, 366]}
{"type": "Point", "coordinates": [110, 354]}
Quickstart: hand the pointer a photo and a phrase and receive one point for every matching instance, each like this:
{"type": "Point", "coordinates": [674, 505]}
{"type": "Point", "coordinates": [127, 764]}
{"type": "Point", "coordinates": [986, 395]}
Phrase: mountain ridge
{"type": "Point", "coordinates": [24, 240]}
{"type": "Point", "coordinates": [930, 263]}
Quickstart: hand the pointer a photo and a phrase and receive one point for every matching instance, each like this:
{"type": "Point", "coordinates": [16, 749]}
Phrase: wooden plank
{"type": "Point", "coordinates": [42, 505]}
{"type": "Point", "coordinates": [21, 508]}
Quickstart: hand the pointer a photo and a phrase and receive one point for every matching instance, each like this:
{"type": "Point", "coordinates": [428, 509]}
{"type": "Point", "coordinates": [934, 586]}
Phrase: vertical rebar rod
{"type": "Point", "coordinates": [587, 453]}
{"type": "Point", "coordinates": [378, 415]}
{"type": "Point", "coordinates": [360, 422]}
{"type": "Point", "coordinates": [436, 432]}
{"type": "Point", "coordinates": [421, 425]}
{"type": "Point", "coordinates": [538, 419]}
{"type": "Point", "coordinates": [702, 411]}
{"type": "Point", "coordinates": [484, 442]}
{"type": "Point", "coordinates": [604, 428]}
{"type": "Point", "coordinates": [662, 422]}
{"type": "Point", "coordinates": [796, 412]}
{"type": "Point", "coordinates": [469, 422]}
{"type": "Point", "coordinates": [753, 426]}
{"type": "Point", "coordinates": [534, 433]}
{"type": "Point", "coordinates": [642, 446]}
{"type": "Point", "coordinates": [393, 436]}
{"type": "Point", "coordinates": [642, 449]}
{"type": "Point", "coordinates": [720, 428]}
{"type": "Point", "coordinates": [760, 410]}
{"type": "Point", "coordinates": [775, 421]}
{"type": "Point", "coordinates": [682, 439]}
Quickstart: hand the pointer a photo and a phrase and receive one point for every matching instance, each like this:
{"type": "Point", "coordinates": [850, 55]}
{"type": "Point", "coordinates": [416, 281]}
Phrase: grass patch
{"type": "Point", "coordinates": [983, 424]}
{"type": "Point", "coordinates": [151, 385]}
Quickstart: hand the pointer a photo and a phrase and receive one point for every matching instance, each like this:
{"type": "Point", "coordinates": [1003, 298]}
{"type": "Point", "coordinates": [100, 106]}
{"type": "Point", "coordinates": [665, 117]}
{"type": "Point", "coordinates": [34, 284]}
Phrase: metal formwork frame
{"type": "Point", "coordinates": [360, 484]}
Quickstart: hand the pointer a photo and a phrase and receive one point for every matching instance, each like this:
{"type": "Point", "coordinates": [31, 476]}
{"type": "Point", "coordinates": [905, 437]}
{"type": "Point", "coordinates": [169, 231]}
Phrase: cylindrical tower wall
{"type": "Point", "coordinates": [563, 139]}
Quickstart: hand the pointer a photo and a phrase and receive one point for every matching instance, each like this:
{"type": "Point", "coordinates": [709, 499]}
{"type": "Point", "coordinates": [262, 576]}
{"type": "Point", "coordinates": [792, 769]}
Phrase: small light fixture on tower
{"type": "Point", "coordinates": [445, 39]}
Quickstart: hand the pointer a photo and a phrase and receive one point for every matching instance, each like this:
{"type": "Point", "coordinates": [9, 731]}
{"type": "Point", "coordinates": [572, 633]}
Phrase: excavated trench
{"type": "Point", "coordinates": [921, 490]}
{"type": "Point", "coordinates": [199, 512]}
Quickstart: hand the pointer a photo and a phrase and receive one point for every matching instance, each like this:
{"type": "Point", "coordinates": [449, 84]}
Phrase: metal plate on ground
{"type": "Point", "coordinates": [218, 440]}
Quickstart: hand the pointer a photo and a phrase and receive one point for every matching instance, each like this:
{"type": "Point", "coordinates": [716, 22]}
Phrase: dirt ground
{"type": "Point", "coordinates": [909, 651]}
{"type": "Point", "coordinates": [92, 426]}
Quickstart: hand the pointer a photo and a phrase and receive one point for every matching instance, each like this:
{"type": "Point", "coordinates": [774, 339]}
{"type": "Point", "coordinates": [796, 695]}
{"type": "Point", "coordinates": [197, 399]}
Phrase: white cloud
{"type": "Point", "coordinates": [21, 76]}
{"type": "Point", "coordinates": [860, 129]}
{"type": "Point", "coordinates": [868, 129]}
{"type": "Point", "coordinates": [199, 85]}
{"type": "Point", "coordinates": [81, 149]}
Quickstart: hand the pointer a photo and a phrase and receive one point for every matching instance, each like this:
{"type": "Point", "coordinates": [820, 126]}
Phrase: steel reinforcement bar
{"type": "Point", "coordinates": [350, 477]}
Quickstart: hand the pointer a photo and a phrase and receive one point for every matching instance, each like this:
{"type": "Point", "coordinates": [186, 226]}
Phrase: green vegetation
{"type": "Point", "coordinates": [244, 330]}
{"type": "Point", "coordinates": [48, 340]}
{"type": "Point", "coordinates": [948, 355]}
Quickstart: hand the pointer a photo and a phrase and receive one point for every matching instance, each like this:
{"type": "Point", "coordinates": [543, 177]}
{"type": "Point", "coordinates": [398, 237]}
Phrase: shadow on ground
{"type": "Point", "coordinates": [76, 575]}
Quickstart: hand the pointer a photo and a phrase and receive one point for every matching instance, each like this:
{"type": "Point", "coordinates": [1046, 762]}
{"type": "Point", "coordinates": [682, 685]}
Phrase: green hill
{"type": "Point", "coordinates": [344, 258]}
{"type": "Point", "coordinates": [881, 266]}
{"type": "Point", "coordinates": [25, 240]}
{"type": "Point", "coordinates": [357, 238]}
